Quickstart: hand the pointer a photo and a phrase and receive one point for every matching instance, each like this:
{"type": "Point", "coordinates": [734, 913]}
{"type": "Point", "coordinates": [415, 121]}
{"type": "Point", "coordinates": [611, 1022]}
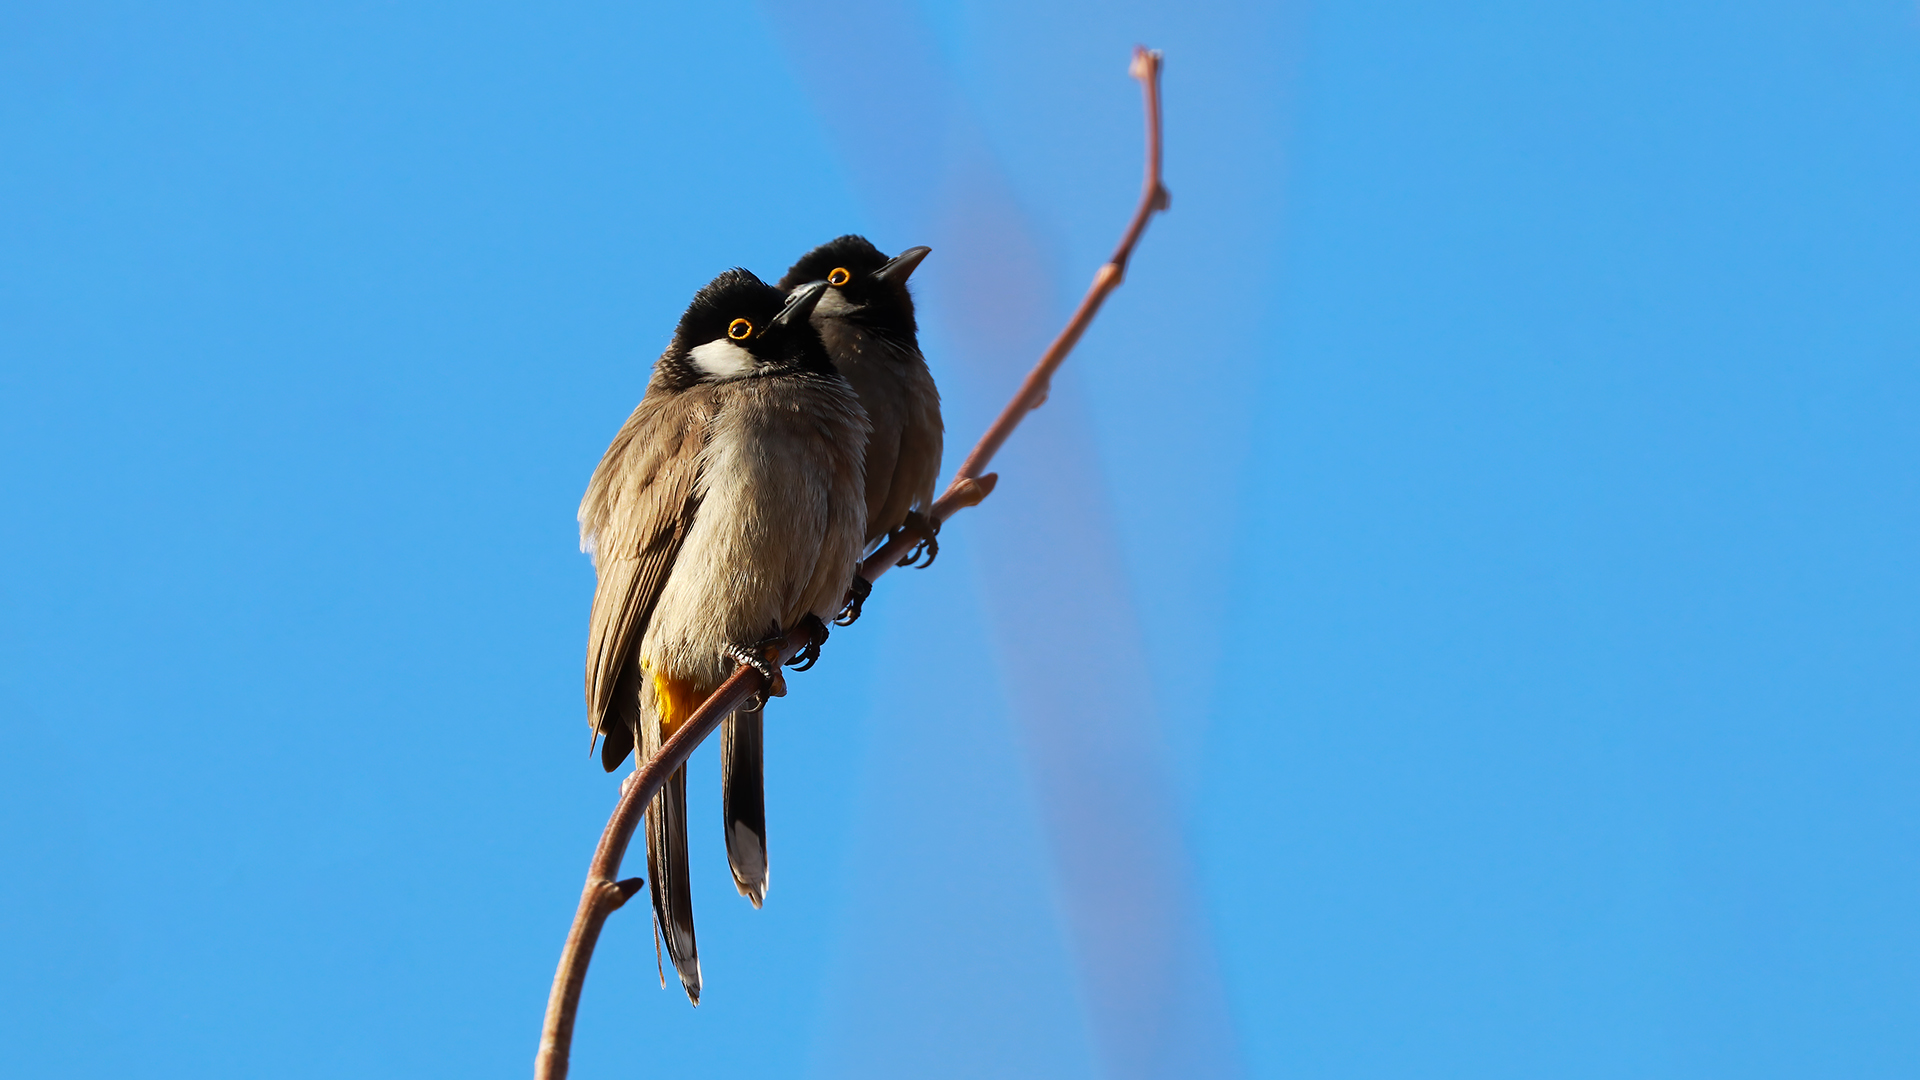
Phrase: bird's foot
{"type": "Point", "coordinates": [757, 658]}
{"type": "Point", "coordinates": [928, 532]}
{"type": "Point", "coordinates": [857, 594]}
{"type": "Point", "coordinates": [816, 637]}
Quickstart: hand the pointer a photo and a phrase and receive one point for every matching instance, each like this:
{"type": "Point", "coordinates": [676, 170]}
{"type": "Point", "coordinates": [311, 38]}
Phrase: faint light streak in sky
{"type": "Point", "coordinates": [1052, 581]}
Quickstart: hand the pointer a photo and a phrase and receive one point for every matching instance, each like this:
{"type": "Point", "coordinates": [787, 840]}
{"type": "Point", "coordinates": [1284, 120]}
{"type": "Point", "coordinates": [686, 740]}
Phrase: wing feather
{"type": "Point", "coordinates": [636, 513]}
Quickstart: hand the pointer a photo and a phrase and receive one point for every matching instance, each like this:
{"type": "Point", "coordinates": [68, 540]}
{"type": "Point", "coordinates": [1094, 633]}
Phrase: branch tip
{"type": "Point", "coordinates": [1146, 63]}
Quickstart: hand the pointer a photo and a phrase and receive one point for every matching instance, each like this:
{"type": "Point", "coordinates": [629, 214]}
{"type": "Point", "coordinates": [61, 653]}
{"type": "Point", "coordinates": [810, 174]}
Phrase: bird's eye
{"type": "Point", "coordinates": [739, 329]}
{"type": "Point", "coordinates": [839, 276]}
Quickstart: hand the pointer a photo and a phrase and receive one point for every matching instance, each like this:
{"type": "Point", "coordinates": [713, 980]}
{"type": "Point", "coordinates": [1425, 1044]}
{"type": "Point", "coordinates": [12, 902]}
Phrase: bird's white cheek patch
{"type": "Point", "coordinates": [722, 359]}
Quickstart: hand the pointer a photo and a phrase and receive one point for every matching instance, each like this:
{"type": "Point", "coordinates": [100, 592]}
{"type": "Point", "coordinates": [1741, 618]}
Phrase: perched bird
{"type": "Point", "coordinates": [866, 321]}
{"type": "Point", "coordinates": [729, 507]}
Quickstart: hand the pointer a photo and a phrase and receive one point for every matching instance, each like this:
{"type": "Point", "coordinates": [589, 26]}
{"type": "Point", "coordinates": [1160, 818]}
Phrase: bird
{"type": "Point", "coordinates": [866, 320]}
{"type": "Point", "coordinates": [730, 507]}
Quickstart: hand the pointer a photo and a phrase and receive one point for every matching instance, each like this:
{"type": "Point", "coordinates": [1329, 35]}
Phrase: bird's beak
{"type": "Point", "coordinates": [900, 267]}
{"type": "Point", "coordinates": [800, 304]}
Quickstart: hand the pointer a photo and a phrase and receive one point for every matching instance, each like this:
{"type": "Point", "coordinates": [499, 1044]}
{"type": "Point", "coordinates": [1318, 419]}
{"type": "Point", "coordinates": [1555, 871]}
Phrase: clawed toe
{"type": "Point", "coordinates": [857, 595]}
{"type": "Point", "coordinates": [930, 547]}
{"type": "Point", "coordinates": [929, 542]}
{"type": "Point", "coordinates": [755, 658]}
{"type": "Point", "coordinates": [816, 637]}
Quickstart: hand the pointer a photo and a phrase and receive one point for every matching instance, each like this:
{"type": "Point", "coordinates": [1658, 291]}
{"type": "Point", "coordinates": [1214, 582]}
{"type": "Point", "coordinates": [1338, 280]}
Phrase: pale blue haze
{"type": "Point", "coordinates": [1459, 614]}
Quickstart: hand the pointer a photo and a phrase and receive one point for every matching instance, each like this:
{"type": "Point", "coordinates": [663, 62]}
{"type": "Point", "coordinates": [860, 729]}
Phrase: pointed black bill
{"type": "Point", "coordinates": [800, 304]}
{"type": "Point", "coordinates": [899, 268]}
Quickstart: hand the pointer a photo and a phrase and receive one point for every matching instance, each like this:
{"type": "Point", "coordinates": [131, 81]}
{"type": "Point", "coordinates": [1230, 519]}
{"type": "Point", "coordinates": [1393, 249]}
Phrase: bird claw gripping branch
{"type": "Point", "coordinates": [857, 594]}
{"type": "Point", "coordinates": [816, 637]}
{"type": "Point", "coordinates": [928, 531]}
{"type": "Point", "coordinates": [755, 657]}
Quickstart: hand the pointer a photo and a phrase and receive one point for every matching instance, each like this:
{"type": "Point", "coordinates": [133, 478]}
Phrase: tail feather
{"type": "Point", "coordinates": [671, 883]}
{"type": "Point", "coordinates": [743, 801]}
{"type": "Point", "coordinates": [618, 744]}
{"type": "Point", "coordinates": [621, 721]}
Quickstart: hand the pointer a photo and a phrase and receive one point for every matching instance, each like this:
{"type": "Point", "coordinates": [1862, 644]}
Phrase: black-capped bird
{"type": "Point", "coordinates": [866, 321]}
{"type": "Point", "coordinates": [730, 507]}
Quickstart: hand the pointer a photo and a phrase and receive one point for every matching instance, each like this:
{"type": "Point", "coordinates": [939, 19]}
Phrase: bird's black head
{"type": "Point", "coordinates": [863, 285]}
{"type": "Point", "coordinates": [739, 327]}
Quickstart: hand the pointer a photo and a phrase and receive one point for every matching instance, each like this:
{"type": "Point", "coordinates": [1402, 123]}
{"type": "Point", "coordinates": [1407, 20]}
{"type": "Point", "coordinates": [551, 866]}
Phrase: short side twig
{"type": "Point", "coordinates": [604, 894]}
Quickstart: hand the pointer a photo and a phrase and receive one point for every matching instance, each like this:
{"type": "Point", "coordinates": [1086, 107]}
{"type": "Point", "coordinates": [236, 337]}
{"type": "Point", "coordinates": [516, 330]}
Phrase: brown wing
{"type": "Point", "coordinates": [636, 512]}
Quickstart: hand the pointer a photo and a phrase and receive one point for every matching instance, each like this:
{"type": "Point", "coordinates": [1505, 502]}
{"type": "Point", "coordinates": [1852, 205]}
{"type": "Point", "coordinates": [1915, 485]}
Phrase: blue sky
{"type": "Point", "coordinates": [1455, 617]}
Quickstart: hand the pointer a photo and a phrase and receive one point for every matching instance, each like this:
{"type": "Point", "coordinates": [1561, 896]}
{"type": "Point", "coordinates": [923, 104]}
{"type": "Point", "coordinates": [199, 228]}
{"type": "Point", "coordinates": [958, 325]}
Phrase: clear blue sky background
{"type": "Point", "coordinates": [1457, 616]}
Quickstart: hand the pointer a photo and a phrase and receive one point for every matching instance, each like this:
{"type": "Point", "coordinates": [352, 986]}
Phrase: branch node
{"type": "Point", "coordinates": [627, 888]}
{"type": "Point", "coordinates": [971, 490]}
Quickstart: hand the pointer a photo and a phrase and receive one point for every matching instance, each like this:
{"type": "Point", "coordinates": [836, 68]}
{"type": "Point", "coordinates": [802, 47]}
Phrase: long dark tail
{"type": "Point", "coordinates": [672, 885]}
{"type": "Point", "coordinates": [743, 799]}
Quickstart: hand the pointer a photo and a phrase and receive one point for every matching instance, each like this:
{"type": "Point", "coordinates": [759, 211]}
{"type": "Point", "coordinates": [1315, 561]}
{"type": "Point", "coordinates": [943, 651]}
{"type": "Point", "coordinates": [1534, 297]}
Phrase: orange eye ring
{"type": "Point", "coordinates": [739, 329]}
{"type": "Point", "coordinates": [839, 276]}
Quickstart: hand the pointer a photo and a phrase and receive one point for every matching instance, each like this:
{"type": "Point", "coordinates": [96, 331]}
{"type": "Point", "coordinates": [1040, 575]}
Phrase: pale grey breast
{"type": "Point", "coordinates": [780, 526]}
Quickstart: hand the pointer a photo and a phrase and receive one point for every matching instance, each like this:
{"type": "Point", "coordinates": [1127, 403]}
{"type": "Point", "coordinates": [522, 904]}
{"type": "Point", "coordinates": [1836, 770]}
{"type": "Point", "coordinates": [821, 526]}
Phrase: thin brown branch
{"type": "Point", "coordinates": [973, 483]}
{"type": "Point", "coordinates": [1153, 197]}
{"type": "Point", "coordinates": [603, 894]}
